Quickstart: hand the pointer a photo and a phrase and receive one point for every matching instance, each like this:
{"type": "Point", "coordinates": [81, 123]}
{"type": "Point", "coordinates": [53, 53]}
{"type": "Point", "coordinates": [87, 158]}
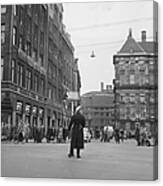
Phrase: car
{"type": "Point", "coordinates": [87, 135]}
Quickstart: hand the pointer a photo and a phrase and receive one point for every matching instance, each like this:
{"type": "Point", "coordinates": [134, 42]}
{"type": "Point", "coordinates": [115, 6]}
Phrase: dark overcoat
{"type": "Point", "coordinates": [76, 126]}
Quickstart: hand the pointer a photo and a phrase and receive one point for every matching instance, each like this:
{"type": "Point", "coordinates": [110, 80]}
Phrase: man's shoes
{"type": "Point", "coordinates": [78, 157]}
{"type": "Point", "coordinates": [70, 155]}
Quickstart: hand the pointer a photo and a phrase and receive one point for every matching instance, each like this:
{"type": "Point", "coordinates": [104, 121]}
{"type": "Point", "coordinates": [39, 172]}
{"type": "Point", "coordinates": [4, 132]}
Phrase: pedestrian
{"type": "Point", "coordinates": [116, 135]}
{"type": "Point", "coordinates": [26, 132]}
{"type": "Point", "coordinates": [121, 134]}
{"type": "Point", "coordinates": [20, 132]}
{"type": "Point", "coordinates": [35, 133]}
{"type": "Point", "coordinates": [76, 126]}
{"type": "Point", "coordinates": [137, 135]}
{"type": "Point", "coordinates": [101, 134]}
{"type": "Point", "coordinates": [60, 134]}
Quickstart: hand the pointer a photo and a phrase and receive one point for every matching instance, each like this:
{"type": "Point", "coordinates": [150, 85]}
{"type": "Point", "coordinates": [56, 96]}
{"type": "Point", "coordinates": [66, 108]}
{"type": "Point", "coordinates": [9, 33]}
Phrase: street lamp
{"type": "Point", "coordinates": [92, 54]}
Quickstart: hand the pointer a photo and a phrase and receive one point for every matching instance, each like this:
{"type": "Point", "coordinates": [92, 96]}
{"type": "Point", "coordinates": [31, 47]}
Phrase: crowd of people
{"type": "Point", "coordinates": [142, 135]}
{"type": "Point", "coordinates": [107, 133]}
{"type": "Point", "coordinates": [24, 133]}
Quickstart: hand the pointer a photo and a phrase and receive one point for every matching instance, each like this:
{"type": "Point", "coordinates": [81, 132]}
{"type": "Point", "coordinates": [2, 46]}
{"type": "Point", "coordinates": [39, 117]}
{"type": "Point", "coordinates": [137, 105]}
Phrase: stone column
{"type": "Point", "coordinates": [14, 118]}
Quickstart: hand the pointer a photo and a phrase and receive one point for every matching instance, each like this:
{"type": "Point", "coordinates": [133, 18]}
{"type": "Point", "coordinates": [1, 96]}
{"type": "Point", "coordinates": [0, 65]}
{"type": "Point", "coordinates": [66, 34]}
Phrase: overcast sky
{"type": "Point", "coordinates": [103, 27]}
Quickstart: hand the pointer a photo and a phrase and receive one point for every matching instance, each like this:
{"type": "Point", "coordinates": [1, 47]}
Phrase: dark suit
{"type": "Point", "coordinates": [76, 126]}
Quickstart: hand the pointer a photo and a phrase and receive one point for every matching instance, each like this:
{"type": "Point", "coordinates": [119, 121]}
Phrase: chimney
{"type": "Point", "coordinates": [102, 86]}
{"type": "Point", "coordinates": [143, 36]}
{"type": "Point", "coordinates": [130, 33]}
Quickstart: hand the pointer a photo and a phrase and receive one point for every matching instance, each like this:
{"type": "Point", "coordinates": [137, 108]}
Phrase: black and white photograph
{"type": "Point", "coordinates": [79, 90]}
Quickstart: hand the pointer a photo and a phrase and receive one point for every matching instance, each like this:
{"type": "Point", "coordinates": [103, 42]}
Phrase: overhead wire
{"type": "Point", "coordinates": [109, 24]}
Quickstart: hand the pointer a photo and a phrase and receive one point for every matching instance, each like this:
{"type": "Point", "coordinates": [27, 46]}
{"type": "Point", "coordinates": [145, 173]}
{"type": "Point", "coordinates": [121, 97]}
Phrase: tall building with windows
{"type": "Point", "coordinates": [135, 83]}
{"type": "Point", "coordinates": [37, 64]}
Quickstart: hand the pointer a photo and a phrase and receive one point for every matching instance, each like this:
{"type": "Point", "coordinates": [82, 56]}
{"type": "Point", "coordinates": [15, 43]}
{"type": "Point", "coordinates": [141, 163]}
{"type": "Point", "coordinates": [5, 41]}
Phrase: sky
{"type": "Point", "coordinates": [103, 27]}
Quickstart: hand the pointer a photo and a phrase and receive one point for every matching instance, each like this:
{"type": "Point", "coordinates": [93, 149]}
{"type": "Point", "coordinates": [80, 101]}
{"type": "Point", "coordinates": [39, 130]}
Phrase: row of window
{"type": "Point", "coordinates": [131, 113]}
{"type": "Point", "coordinates": [141, 70]}
{"type": "Point", "coordinates": [24, 77]}
{"type": "Point", "coordinates": [103, 114]}
{"type": "Point", "coordinates": [26, 46]}
{"type": "Point", "coordinates": [132, 79]}
{"type": "Point", "coordinates": [134, 99]}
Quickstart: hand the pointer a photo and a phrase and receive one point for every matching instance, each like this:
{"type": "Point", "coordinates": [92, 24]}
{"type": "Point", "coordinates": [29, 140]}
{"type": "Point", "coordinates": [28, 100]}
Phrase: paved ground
{"type": "Point", "coordinates": [99, 161]}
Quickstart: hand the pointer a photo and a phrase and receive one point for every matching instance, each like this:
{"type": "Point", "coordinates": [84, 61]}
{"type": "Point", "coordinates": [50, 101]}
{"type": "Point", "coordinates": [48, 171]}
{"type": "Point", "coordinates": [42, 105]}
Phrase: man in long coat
{"type": "Point", "coordinates": [76, 126]}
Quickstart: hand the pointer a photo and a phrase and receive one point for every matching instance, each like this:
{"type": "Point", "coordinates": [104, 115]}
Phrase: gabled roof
{"type": "Point", "coordinates": [149, 46]}
{"type": "Point", "coordinates": [131, 46]}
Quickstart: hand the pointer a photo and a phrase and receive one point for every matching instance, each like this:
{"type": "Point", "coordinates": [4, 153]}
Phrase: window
{"type": "Point", "coordinates": [21, 42]}
{"type": "Point", "coordinates": [41, 40]}
{"type": "Point", "coordinates": [132, 98]}
{"type": "Point", "coordinates": [132, 79]}
{"type": "Point", "coordinates": [2, 33]}
{"type": "Point", "coordinates": [142, 68]}
{"type": "Point", "coordinates": [49, 93]}
{"type": "Point", "coordinates": [152, 98]}
{"type": "Point", "coordinates": [36, 83]}
{"type": "Point", "coordinates": [20, 75]}
{"type": "Point", "coordinates": [2, 68]}
{"type": "Point", "coordinates": [14, 37]}
{"type": "Point", "coordinates": [15, 11]}
{"type": "Point", "coordinates": [13, 71]}
{"type": "Point", "coordinates": [132, 113]}
{"type": "Point", "coordinates": [28, 50]}
{"type": "Point", "coordinates": [41, 60]}
{"type": "Point", "coordinates": [42, 86]}
{"type": "Point", "coordinates": [122, 80]}
{"type": "Point", "coordinates": [21, 17]}
{"type": "Point", "coordinates": [35, 40]}
{"type": "Point", "coordinates": [29, 26]}
{"type": "Point", "coordinates": [152, 79]}
{"type": "Point", "coordinates": [142, 98]}
{"type": "Point", "coordinates": [122, 113]}
{"type": "Point", "coordinates": [28, 80]}
{"type": "Point", "coordinates": [3, 9]}
{"type": "Point", "coordinates": [143, 112]}
{"type": "Point", "coordinates": [34, 55]}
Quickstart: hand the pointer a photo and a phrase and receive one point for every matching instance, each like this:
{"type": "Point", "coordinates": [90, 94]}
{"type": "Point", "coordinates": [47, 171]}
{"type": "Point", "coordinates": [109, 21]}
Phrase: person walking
{"type": "Point", "coordinates": [137, 135]}
{"type": "Point", "coordinates": [76, 126]}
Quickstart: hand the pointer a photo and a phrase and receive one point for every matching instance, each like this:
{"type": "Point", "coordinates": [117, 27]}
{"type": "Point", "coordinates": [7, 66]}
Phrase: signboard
{"type": "Point", "coordinates": [73, 96]}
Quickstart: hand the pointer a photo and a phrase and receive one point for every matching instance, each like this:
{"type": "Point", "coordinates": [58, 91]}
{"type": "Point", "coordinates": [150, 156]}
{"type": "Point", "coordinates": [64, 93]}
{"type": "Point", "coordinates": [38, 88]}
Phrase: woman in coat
{"type": "Point", "coordinates": [76, 126]}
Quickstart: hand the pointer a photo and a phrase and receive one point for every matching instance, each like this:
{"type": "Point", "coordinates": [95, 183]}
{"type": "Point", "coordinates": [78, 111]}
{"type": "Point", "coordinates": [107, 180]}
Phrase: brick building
{"type": "Point", "coordinates": [135, 83]}
{"type": "Point", "coordinates": [37, 64]}
{"type": "Point", "coordinates": [98, 107]}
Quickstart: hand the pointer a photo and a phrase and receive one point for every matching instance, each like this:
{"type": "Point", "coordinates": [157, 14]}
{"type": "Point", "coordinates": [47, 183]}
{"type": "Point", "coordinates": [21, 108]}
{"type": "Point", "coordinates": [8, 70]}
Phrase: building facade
{"type": "Point", "coordinates": [98, 107]}
{"type": "Point", "coordinates": [135, 83]}
{"type": "Point", "coordinates": [37, 65]}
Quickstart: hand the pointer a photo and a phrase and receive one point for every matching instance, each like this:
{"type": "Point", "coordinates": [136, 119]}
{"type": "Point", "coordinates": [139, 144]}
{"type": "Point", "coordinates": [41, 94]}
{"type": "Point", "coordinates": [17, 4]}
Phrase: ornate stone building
{"type": "Point", "coordinates": [37, 64]}
{"type": "Point", "coordinates": [99, 107]}
{"type": "Point", "coordinates": [135, 83]}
